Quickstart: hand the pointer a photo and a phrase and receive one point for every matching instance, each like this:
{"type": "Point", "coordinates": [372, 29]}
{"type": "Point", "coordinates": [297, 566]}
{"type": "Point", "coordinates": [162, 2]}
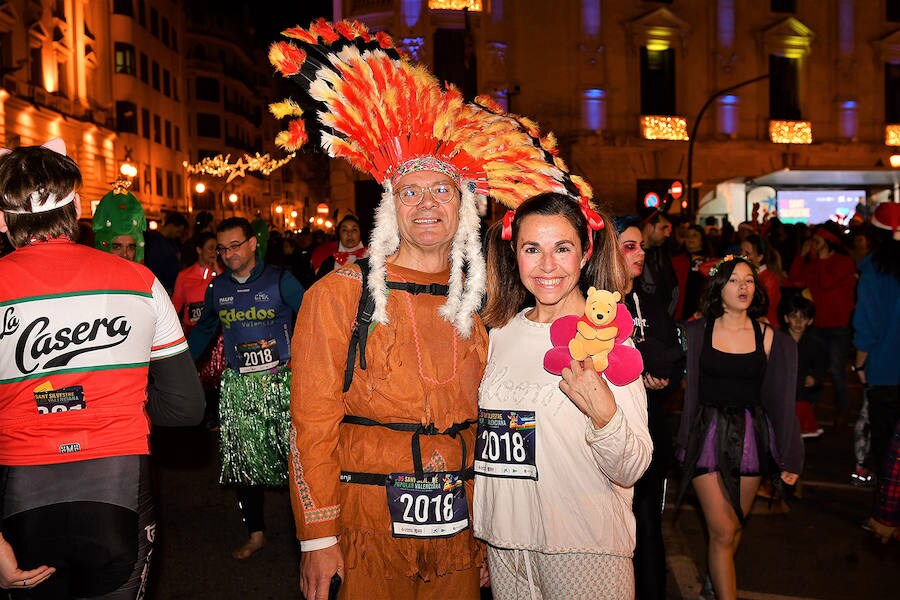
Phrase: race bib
{"type": "Point", "coordinates": [505, 444]}
{"type": "Point", "coordinates": [431, 507]}
{"type": "Point", "coordinates": [61, 400]}
{"type": "Point", "coordinates": [257, 356]}
{"type": "Point", "coordinates": [194, 312]}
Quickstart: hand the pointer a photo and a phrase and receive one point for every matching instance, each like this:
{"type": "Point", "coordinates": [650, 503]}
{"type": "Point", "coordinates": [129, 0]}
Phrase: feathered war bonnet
{"type": "Point", "coordinates": [362, 101]}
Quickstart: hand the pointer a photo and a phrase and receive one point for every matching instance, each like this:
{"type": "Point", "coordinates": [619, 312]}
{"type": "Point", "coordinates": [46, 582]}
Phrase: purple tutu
{"type": "Point", "coordinates": [749, 458]}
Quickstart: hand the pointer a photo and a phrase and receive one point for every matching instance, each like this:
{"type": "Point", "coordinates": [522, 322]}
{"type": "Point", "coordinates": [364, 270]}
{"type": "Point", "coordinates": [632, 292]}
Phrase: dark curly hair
{"type": "Point", "coordinates": [711, 299]}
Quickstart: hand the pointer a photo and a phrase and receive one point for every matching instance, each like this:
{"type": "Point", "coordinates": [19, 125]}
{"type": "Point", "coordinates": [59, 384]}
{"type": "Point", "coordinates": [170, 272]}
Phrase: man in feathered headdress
{"type": "Point", "coordinates": [388, 353]}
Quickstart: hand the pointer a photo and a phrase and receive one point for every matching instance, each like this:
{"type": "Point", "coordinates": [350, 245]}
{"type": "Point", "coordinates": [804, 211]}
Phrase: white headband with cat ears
{"type": "Point", "coordinates": [52, 202]}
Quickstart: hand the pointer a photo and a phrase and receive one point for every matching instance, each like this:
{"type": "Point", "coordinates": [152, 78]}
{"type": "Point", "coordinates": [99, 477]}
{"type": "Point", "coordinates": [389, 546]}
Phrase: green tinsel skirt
{"type": "Point", "coordinates": [255, 427]}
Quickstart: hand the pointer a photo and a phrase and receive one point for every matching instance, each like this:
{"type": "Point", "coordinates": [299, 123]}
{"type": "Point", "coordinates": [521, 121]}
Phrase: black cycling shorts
{"type": "Point", "coordinates": [99, 550]}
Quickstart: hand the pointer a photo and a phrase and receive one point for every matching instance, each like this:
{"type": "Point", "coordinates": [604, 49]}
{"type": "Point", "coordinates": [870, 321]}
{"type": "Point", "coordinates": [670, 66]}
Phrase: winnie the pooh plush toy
{"type": "Point", "coordinates": [596, 330]}
{"type": "Point", "coordinates": [600, 336]}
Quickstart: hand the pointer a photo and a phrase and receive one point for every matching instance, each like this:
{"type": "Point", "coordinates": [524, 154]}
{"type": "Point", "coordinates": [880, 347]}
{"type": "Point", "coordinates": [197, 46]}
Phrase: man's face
{"type": "Point", "coordinates": [124, 246]}
{"type": "Point", "coordinates": [237, 251]}
{"type": "Point", "coordinates": [429, 224]}
{"type": "Point", "coordinates": [659, 232]}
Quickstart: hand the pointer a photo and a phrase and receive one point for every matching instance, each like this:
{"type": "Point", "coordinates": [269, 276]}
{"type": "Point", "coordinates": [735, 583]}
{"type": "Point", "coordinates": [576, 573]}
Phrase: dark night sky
{"type": "Point", "coordinates": [272, 16]}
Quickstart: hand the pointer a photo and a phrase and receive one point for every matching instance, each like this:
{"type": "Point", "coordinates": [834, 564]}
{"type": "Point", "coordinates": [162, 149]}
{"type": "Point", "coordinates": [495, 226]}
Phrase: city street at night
{"type": "Point", "coordinates": [817, 551]}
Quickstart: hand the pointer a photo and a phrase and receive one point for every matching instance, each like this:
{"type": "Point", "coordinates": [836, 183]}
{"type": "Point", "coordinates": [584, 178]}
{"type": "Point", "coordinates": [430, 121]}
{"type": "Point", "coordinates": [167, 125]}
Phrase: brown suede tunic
{"type": "Point", "coordinates": [418, 371]}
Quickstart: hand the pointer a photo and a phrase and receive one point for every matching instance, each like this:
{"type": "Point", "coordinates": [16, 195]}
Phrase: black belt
{"type": "Point", "coordinates": [417, 429]}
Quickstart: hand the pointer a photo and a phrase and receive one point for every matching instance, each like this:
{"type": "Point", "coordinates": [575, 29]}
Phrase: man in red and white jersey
{"type": "Point", "coordinates": [80, 332]}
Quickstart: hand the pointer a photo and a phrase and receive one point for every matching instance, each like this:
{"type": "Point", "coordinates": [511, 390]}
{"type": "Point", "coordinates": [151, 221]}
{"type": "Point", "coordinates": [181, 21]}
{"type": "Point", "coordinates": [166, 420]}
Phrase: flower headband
{"type": "Point", "coordinates": [728, 258]}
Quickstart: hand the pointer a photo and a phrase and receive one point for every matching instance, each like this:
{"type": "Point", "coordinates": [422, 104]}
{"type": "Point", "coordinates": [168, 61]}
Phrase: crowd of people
{"type": "Point", "coordinates": [447, 414]}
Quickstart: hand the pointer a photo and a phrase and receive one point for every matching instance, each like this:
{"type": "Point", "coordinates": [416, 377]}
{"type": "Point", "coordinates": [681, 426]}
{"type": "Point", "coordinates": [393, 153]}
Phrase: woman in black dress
{"type": "Point", "coordinates": [738, 423]}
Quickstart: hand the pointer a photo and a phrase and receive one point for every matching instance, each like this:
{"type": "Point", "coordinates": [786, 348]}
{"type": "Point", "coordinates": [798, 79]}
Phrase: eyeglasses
{"type": "Point", "coordinates": [223, 250]}
{"type": "Point", "coordinates": [442, 193]}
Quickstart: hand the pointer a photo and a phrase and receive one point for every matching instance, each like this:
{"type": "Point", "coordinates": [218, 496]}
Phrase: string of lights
{"type": "Point", "coordinates": [221, 166]}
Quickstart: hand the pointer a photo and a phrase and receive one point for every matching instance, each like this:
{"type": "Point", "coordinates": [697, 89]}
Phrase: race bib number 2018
{"type": "Point", "coordinates": [430, 507]}
{"type": "Point", "coordinates": [505, 446]}
{"type": "Point", "coordinates": [258, 356]}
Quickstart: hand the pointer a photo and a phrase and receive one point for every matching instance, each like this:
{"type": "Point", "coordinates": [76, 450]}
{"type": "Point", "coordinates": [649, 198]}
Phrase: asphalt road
{"type": "Point", "coordinates": [817, 550]}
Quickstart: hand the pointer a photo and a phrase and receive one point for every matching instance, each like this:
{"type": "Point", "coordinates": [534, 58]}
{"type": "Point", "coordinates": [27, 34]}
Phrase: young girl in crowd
{"type": "Point", "coordinates": [738, 410]}
{"type": "Point", "coordinates": [557, 515]}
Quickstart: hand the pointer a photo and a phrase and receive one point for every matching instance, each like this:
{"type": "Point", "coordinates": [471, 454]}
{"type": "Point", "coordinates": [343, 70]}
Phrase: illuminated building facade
{"type": "Point", "coordinates": [621, 81]}
{"type": "Point", "coordinates": [56, 82]}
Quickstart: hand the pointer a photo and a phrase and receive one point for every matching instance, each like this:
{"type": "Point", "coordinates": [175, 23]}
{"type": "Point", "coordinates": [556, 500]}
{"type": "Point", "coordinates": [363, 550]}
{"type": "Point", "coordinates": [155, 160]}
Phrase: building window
{"type": "Point", "coordinates": [849, 119]}
{"type": "Point", "coordinates": [159, 182]}
{"type": "Point", "coordinates": [657, 81]}
{"type": "Point", "coordinates": [123, 7]}
{"type": "Point", "coordinates": [207, 89]}
{"type": "Point", "coordinates": [208, 125]}
{"type": "Point", "coordinates": [179, 184]}
{"type": "Point", "coordinates": [593, 110]}
{"type": "Point", "coordinates": [142, 17]}
{"type": "Point", "coordinates": [165, 31]}
{"type": "Point", "coordinates": [148, 185]}
{"type": "Point", "coordinates": [145, 69]}
{"type": "Point", "coordinates": [36, 58]}
{"type": "Point", "coordinates": [126, 117]}
{"type": "Point", "coordinates": [62, 80]}
{"type": "Point", "coordinates": [155, 75]}
{"type": "Point", "coordinates": [892, 93]}
{"type": "Point", "coordinates": [154, 22]}
{"type": "Point", "coordinates": [157, 129]}
{"type": "Point", "coordinates": [727, 115]}
{"type": "Point", "coordinates": [170, 184]}
{"type": "Point", "coordinates": [167, 83]}
{"type": "Point", "coordinates": [145, 123]}
{"type": "Point", "coordinates": [174, 39]}
{"type": "Point", "coordinates": [168, 134]}
{"type": "Point", "coordinates": [177, 138]}
{"type": "Point", "coordinates": [784, 88]}
{"type": "Point", "coordinates": [784, 6]}
{"type": "Point", "coordinates": [124, 54]}
{"type": "Point", "coordinates": [100, 160]}
{"type": "Point", "coordinates": [174, 88]}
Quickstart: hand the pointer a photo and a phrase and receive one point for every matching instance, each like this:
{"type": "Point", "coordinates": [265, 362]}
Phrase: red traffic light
{"type": "Point", "coordinates": [676, 189]}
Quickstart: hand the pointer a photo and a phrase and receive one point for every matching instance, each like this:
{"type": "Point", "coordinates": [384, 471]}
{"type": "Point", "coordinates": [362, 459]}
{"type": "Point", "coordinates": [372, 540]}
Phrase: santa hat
{"type": "Point", "coordinates": [887, 216]}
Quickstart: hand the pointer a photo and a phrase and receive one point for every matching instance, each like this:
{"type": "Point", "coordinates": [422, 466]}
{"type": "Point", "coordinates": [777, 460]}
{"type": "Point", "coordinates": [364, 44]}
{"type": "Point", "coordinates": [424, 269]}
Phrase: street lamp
{"type": "Point", "coordinates": [692, 204]}
{"type": "Point", "coordinates": [200, 188]}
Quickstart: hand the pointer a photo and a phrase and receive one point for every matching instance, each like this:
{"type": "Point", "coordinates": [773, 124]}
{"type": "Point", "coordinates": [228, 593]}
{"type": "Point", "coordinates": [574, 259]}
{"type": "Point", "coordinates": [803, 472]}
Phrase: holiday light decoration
{"type": "Point", "coordinates": [892, 135]}
{"type": "Point", "coordinates": [664, 128]}
{"type": "Point", "coordinates": [473, 5]}
{"type": "Point", "coordinates": [221, 166]}
{"type": "Point", "coordinates": [790, 132]}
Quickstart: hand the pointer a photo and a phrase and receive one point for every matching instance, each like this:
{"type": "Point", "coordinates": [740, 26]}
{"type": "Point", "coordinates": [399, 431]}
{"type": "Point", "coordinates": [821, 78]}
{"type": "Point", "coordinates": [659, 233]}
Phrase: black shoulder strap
{"type": "Point", "coordinates": [365, 310]}
{"type": "Point", "coordinates": [360, 331]}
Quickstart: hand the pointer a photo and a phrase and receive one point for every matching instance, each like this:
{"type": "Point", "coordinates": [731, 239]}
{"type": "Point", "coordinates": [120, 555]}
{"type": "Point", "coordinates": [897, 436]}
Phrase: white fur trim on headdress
{"type": "Point", "coordinates": [465, 293]}
{"type": "Point", "coordinates": [384, 242]}
{"type": "Point", "coordinates": [464, 298]}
